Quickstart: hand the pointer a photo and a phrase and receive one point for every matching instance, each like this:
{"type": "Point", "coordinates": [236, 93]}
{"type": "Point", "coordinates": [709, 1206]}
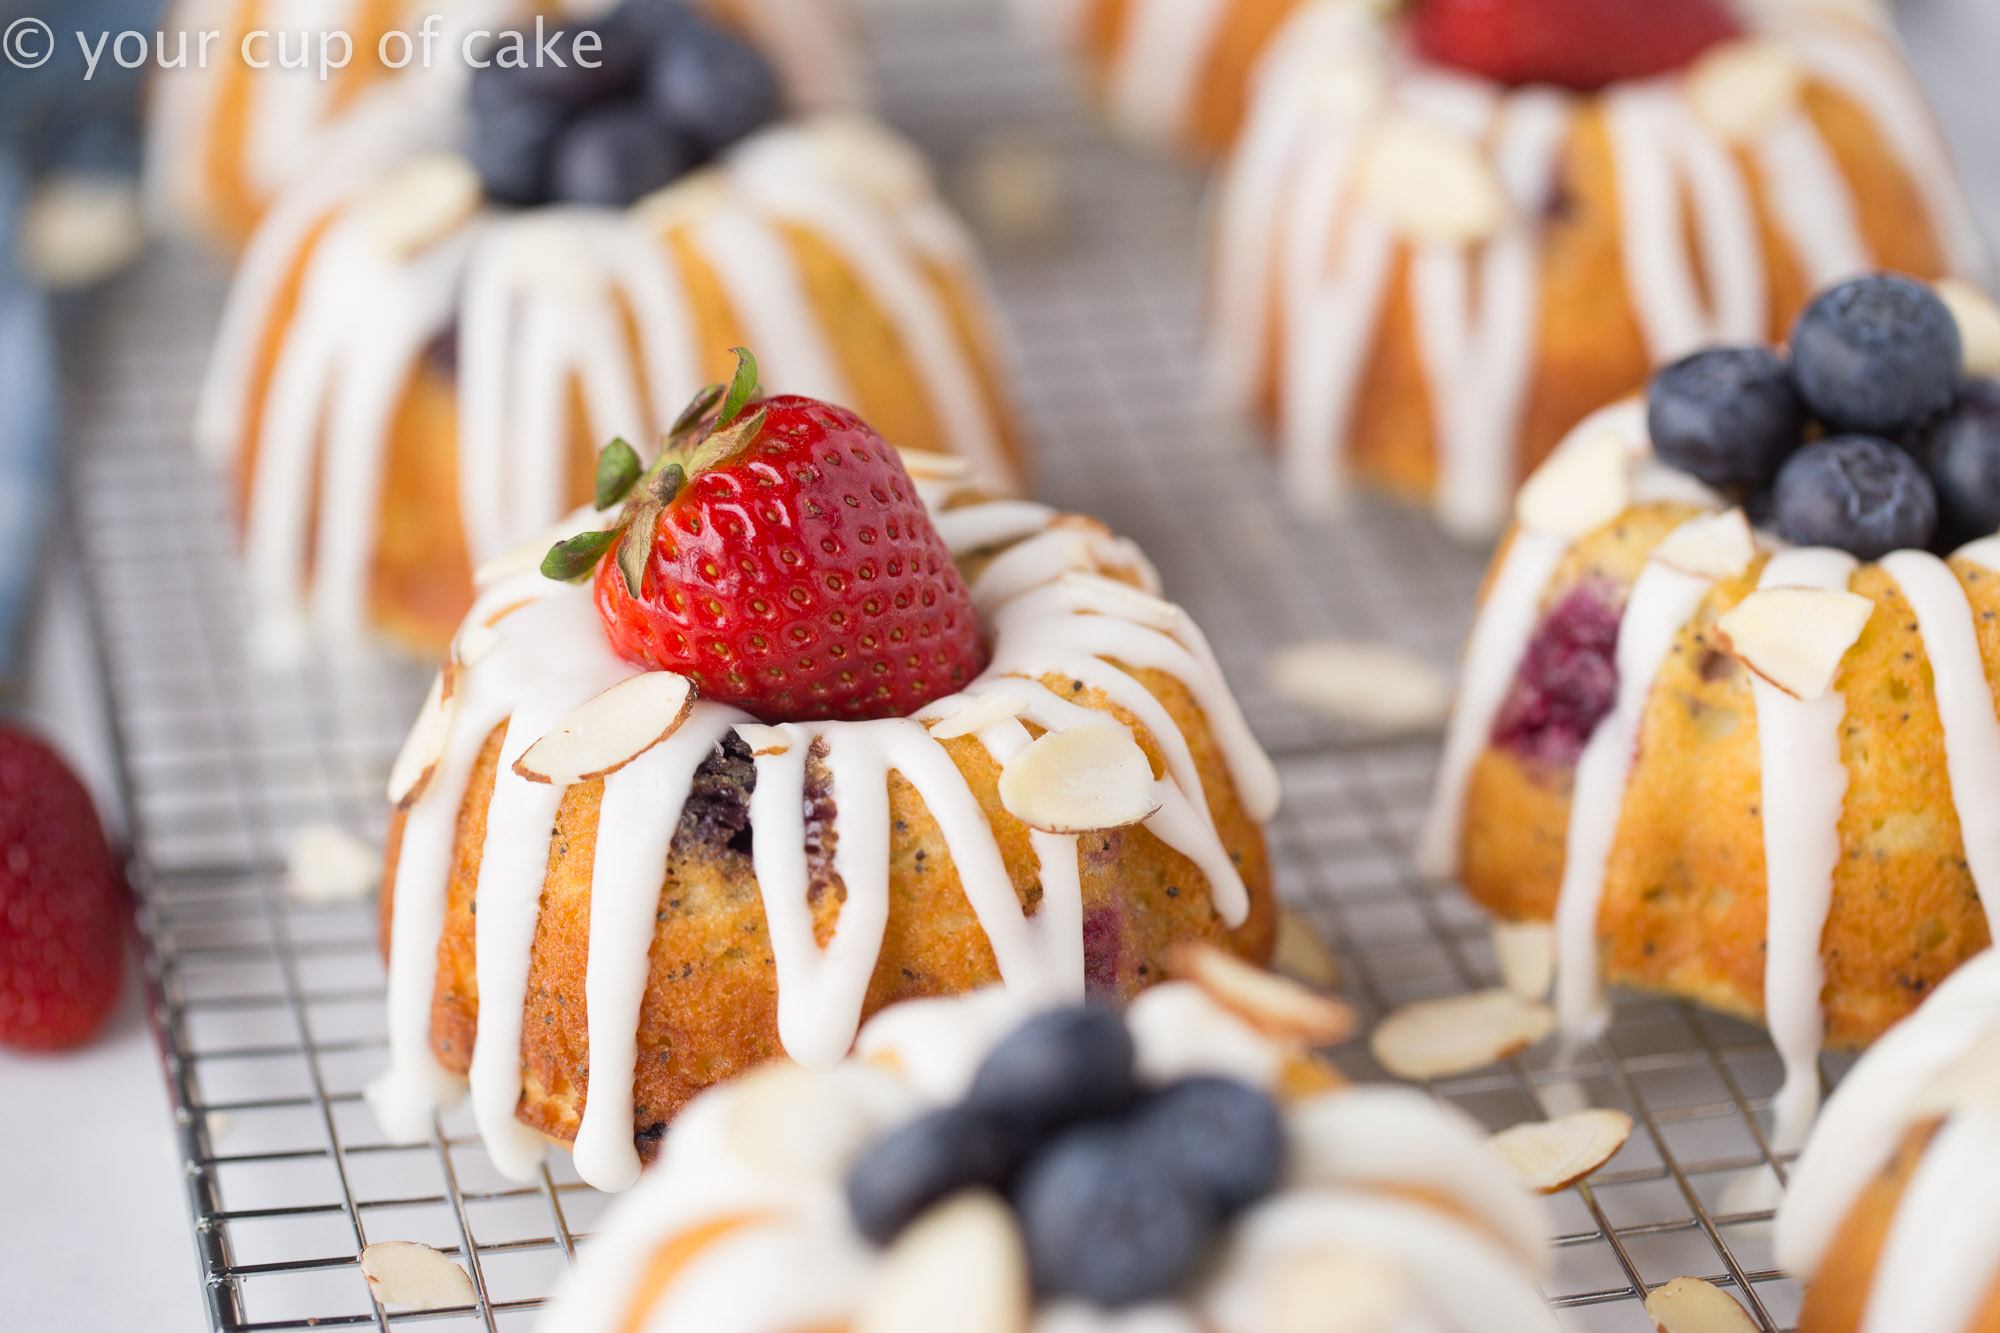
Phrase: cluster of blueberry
{"type": "Point", "coordinates": [1903, 451]}
{"type": "Point", "coordinates": [1119, 1191]}
{"type": "Point", "coordinates": [670, 90]}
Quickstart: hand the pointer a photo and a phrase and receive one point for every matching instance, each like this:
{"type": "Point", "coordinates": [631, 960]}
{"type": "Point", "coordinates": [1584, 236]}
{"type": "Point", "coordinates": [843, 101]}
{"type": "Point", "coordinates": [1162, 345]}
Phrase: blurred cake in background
{"type": "Point", "coordinates": [1442, 239]}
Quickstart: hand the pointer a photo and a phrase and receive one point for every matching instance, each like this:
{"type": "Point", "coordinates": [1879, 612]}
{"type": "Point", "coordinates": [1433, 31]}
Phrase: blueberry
{"type": "Point", "coordinates": [561, 79]}
{"type": "Point", "coordinates": [1057, 1069]}
{"type": "Point", "coordinates": [1729, 415]}
{"type": "Point", "coordinates": [512, 147]}
{"type": "Point", "coordinates": [1223, 1137]}
{"type": "Point", "coordinates": [1964, 463]}
{"type": "Point", "coordinates": [616, 154]}
{"type": "Point", "coordinates": [1862, 495]}
{"type": "Point", "coordinates": [1877, 356]}
{"type": "Point", "coordinates": [711, 85]}
{"type": "Point", "coordinates": [906, 1171]}
{"type": "Point", "coordinates": [1107, 1221]}
{"type": "Point", "coordinates": [650, 22]}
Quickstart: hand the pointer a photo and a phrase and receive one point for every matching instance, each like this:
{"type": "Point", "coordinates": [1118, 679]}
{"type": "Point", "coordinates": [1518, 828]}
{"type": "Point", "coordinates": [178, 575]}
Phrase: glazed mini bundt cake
{"type": "Point", "coordinates": [802, 737]}
{"type": "Point", "coordinates": [340, 83]}
{"type": "Point", "coordinates": [976, 1168]}
{"type": "Point", "coordinates": [1758, 770]}
{"type": "Point", "coordinates": [1434, 253]}
{"type": "Point", "coordinates": [1890, 1215]}
{"type": "Point", "coordinates": [411, 378]}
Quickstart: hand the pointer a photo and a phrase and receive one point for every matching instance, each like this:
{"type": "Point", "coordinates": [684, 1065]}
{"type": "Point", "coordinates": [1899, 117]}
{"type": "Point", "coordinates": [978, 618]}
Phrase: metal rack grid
{"type": "Point", "coordinates": [269, 1011]}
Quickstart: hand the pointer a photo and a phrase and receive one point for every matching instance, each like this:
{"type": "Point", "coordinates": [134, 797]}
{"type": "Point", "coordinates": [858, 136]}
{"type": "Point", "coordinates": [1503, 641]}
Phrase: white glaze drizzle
{"type": "Point", "coordinates": [1153, 74]}
{"type": "Point", "coordinates": [1804, 783]}
{"type": "Point", "coordinates": [1943, 1250]}
{"type": "Point", "coordinates": [550, 657]}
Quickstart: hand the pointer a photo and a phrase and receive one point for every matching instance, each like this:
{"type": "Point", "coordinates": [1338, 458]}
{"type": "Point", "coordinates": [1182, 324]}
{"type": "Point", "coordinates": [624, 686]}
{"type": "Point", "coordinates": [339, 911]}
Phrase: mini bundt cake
{"type": "Point", "coordinates": [1891, 1215]}
{"type": "Point", "coordinates": [813, 748]}
{"type": "Point", "coordinates": [341, 82]}
{"type": "Point", "coordinates": [1758, 770]}
{"type": "Point", "coordinates": [1432, 257]}
{"type": "Point", "coordinates": [976, 1168]}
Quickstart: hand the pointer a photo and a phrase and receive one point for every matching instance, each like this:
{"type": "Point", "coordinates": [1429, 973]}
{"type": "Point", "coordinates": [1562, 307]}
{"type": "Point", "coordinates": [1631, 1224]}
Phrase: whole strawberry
{"type": "Point", "coordinates": [63, 906]}
{"type": "Point", "coordinates": [778, 554]}
{"type": "Point", "coordinates": [1580, 44]}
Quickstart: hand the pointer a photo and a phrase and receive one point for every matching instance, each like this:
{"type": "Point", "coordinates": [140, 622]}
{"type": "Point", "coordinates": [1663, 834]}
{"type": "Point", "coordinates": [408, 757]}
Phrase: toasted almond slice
{"type": "Point", "coordinates": [1552, 1155]}
{"type": "Point", "coordinates": [928, 465]}
{"type": "Point", "coordinates": [982, 712]}
{"type": "Point", "coordinates": [1301, 954]}
{"type": "Point", "coordinates": [414, 1277]}
{"type": "Point", "coordinates": [1978, 321]}
{"type": "Point", "coordinates": [1375, 684]}
{"type": "Point", "coordinates": [325, 864]}
{"type": "Point", "coordinates": [1526, 953]}
{"type": "Point", "coordinates": [1715, 546]}
{"type": "Point", "coordinates": [792, 1123]}
{"type": "Point", "coordinates": [1085, 777]}
{"type": "Point", "coordinates": [420, 203]}
{"type": "Point", "coordinates": [1690, 1305]}
{"type": "Point", "coordinates": [762, 739]}
{"type": "Point", "coordinates": [1583, 486]}
{"type": "Point", "coordinates": [1432, 184]}
{"type": "Point", "coordinates": [1123, 600]}
{"type": "Point", "coordinates": [78, 228]}
{"type": "Point", "coordinates": [1794, 637]}
{"type": "Point", "coordinates": [1458, 1034]}
{"type": "Point", "coordinates": [1740, 89]}
{"type": "Point", "coordinates": [423, 748]}
{"type": "Point", "coordinates": [611, 730]}
{"type": "Point", "coordinates": [1337, 1291]}
{"type": "Point", "coordinates": [473, 642]}
{"type": "Point", "coordinates": [1274, 1005]}
{"type": "Point", "coordinates": [1971, 1080]}
{"type": "Point", "coordinates": [961, 1266]}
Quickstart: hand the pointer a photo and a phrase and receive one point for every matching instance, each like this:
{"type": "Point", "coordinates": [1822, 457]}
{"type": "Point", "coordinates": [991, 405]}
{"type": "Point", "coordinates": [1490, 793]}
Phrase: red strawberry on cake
{"type": "Point", "coordinates": [1580, 44]}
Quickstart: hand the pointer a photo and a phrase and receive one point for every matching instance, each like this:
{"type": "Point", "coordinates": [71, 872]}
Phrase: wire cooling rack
{"type": "Point", "coordinates": [269, 1012]}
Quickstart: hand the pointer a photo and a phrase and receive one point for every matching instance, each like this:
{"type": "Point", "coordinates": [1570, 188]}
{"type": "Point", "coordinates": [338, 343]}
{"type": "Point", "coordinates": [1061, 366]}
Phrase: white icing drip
{"type": "Point", "coordinates": [1804, 783]}
{"type": "Point", "coordinates": [1811, 201]}
{"type": "Point", "coordinates": [1985, 553]}
{"type": "Point", "coordinates": [1662, 601]}
{"type": "Point", "coordinates": [1942, 1253]}
{"type": "Point", "coordinates": [768, 292]}
{"type": "Point", "coordinates": [1153, 74]}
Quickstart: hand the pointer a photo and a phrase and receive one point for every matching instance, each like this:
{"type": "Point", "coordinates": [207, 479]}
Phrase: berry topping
{"type": "Point", "coordinates": [1057, 1069]}
{"type": "Point", "coordinates": [1964, 464]}
{"type": "Point", "coordinates": [63, 907]}
{"type": "Point", "coordinates": [909, 1169]}
{"type": "Point", "coordinates": [1223, 1137]}
{"type": "Point", "coordinates": [571, 71]}
{"type": "Point", "coordinates": [1107, 1221]}
{"type": "Point", "coordinates": [512, 147]}
{"type": "Point", "coordinates": [777, 553]}
{"type": "Point", "coordinates": [1568, 679]}
{"type": "Point", "coordinates": [616, 154]}
{"type": "Point", "coordinates": [1879, 355]}
{"type": "Point", "coordinates": [1728, 415]}
{"type": "Point", "coordinates": [1862, 495]}
{"type": "Point", "coordinates": [710, 86]}
{"type": "Point", "coordinates": [1581, 44]}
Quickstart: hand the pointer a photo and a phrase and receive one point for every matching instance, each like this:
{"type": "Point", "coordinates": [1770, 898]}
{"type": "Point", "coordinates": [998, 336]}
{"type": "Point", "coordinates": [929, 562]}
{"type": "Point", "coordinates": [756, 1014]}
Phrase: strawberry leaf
{"type": "Point", "coordinates": [637, 543]}
{"type": "Point", "coordinates": [572, 559]}
{"type": "Point", "coordinates": [665, 484]}
{"type": "Point", "coordinates": [698, 407]}
{"type": "Point", "coordinates": [742, 388]}
{"type": "Point", "coordinates": [618, 467]}
{"type": "Point", "coordinates": [726, 443]}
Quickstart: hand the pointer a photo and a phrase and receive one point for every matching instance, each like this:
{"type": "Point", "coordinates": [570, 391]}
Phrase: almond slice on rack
{"type": "Point", "coordinates": [1794, 638]}
{"type": "Point", "coordinates": [1552, 1155]}
{"type": "Point", "coordinates": [1274, 1005]}
{"type": "Point", "coordinates": [1375, 684]}
{"type": "Point", "coordinates": [1717, 546]}
{"type": "Point", "coordinates": [423, 748]}
{"type": "Point", "coordinates": [1526, 954]}
{"type": "Point", "coordinates": [981, 712]}
{"type": "Point", "coordinates": [414, 1277]}
{"type": "Point", "coordinates": [962, 1265]}
{"type": "Point", "coordinates": [1083, 778]}
{"type": "Point", "coordinates": [1690, 1305]}
{"type": "Point", "coordinates": [1301, 954]}
{"type": "Point", "coordinates": [1742, 88]}
{"type": "Point", "coordinates": [763, 739]}
{"type": "Point", "coordinates": [1582, 487]}
{"type": "Point", "coordinates": [326, 864]}
{"type": "Point", "coordinates": [1458, 1034]}
{"type": "Point", "coordinates": [1123, 600]}
{"type": "Point", "coordinates": [1978, 320]}
{"type": "Point", "coordinates": [928, 465]}
{"type": "Point", "coordinates": [611, 730]}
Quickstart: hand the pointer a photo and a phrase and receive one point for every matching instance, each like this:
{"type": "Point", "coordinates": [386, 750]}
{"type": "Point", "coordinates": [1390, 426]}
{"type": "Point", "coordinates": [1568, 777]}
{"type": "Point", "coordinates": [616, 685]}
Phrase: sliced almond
{"type": "Point", "coordinates": [1374, 684]}
{"type": "Point", "coordinates": [928, 465]}
{"type": "Point", "coordinates": [1337, 1291]}
{"type": "Point", "coordinates": [1583, 486]}
{"type": "Point", "coordinates": [1740, 89]}
{"type": "Point", "coordinates": [1090, 776]}
{"type": "Point", "coordinates": [980, 713]}
{"type": "Point", "coordinates": [420, 203]}
{"type": "Point", "coordinates": [1301, 954]}
{"type": "Point", "coordinates": [960, 1266]}
{"type": "Point", "coordinates": [1794, 637]}
{"type": "Point", "coordinates": [1015, 189]}
{"type": "Point", "coordinates": [1458, 1034]}
{"type": "Point", "coordinates": [1432, 184]}
{"type": "Point", "coordinates": [326, 864]}
{"type": "Point", "coordinates": [610, 730]}
{"type": "Point", "coordinates": [414, 1277]}
{"type": "Point", "coordinates": [1715, 546]}
{"type": "Point", "coordinates": [1690, 1305]}
{"type": "Point", "coordinates": [1552, 1155]}
{"type": "Point", "coordinates": [762, 739]}
{"type": "Point", "coordinates": [793, 1123]}
{"type": "Point", "coordinates": [1121, 599]}
{"type": "Point", "coordinates": [1276, 1006]}
{"type": "Point", "coordinates": [1978, 321]}
{"type": "Point", "coordinates": [1971, 1080]}
{"type": "Point", "coordinates": [473, 642]}
{"type": "Point", "coordinates": [78, 228]}
{"type": "Point", "coordinates": [1526, 954]}
{"type": "Point", "coordinates": [423, 748]}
